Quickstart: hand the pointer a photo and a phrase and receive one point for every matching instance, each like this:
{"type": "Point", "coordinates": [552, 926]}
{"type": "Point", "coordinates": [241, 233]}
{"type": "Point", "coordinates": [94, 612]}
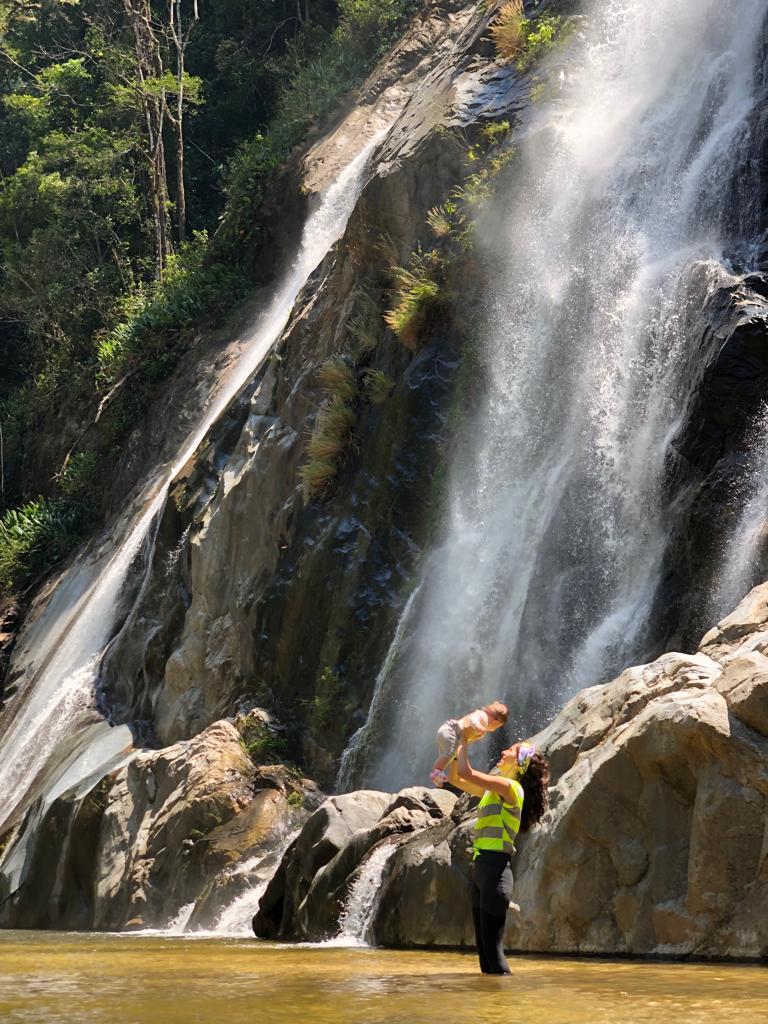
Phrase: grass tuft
{"type": "Point", "coordinates": [508, 31]}
{"type": "Point", "coordinates": [364, 326]}
{"type": "Point", "coordinates": [327, 444]}
{"type": "Point", "coordinates": [377, 386]}
{"type": "Point", "coordinates": [317, 475]}
{"type": "Point", "coordinates": [418, 296]}
{"type": "Point", "coordinates": [439, 222]}
{"type": "Point", "coordinates": [338, 378]}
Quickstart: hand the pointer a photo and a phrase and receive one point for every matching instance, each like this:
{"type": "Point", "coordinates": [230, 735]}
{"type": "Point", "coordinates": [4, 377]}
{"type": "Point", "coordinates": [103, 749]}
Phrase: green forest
{"type": "Point", "coordinates": [140, 145]}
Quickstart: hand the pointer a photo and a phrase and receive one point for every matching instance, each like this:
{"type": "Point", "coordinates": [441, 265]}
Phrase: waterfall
{"type": "Point", "coordinates": [742, 559]}
{"type": "Point", "coordinates": [237, 917]}
{"type": "Point", "coordinates": [51, 735]}
{"type": "Point", "coordinates": [353, 762]}
{"type": "Point", "coordinates": [178, 924]}
{"type": "Point", "coordinates": [632, 192]}
{"type": "Point", "coordinates": [357, 917]}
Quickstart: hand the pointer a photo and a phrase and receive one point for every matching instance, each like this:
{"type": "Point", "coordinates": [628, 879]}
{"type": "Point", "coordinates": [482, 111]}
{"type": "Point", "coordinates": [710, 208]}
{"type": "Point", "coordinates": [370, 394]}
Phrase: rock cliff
{"type": "Point", "coordinates": [654, 844]}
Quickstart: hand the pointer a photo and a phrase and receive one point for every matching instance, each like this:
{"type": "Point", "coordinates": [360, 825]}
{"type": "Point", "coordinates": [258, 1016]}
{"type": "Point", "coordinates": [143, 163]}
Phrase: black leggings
{"type": "Point", "coordinates": [492, 884]}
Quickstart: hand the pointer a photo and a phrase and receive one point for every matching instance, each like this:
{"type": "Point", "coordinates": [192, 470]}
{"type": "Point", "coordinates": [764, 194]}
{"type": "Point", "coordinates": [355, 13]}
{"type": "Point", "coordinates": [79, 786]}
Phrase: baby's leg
{"type": "Point", "coordinates": [447, 741]}
{"type": "Point", "coordinates": [453, 774]}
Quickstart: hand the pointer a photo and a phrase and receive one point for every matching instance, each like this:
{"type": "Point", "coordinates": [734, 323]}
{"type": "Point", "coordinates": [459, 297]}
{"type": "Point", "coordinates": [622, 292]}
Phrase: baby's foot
{"type": "Point", "coordinates": [514, 906]}
{"type": "Point", "coordinates": [438, 778]}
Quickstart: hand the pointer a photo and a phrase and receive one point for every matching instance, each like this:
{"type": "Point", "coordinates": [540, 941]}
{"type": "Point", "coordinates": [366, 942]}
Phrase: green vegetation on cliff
{"type": "Point", "coordinates": [140, 144]}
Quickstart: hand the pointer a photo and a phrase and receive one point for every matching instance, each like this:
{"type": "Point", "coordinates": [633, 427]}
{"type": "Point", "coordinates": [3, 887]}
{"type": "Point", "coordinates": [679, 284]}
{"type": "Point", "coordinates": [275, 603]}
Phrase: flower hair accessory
{"type": "Point", "coordinates": [524, 755]}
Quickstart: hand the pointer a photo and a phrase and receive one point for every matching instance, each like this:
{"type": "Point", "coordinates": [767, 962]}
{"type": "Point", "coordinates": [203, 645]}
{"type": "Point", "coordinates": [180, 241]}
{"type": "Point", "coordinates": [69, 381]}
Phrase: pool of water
{"type": "Point", "coordinates": [48, 977]}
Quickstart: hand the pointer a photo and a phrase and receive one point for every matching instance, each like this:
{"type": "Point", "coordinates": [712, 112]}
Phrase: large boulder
{"type": "Point", "coordinates": [410, 811]}
{"type": "Point", "coordinates": [325, 833]}
{"type": "Point", "coordinates": [309, 892]}
{"type": "Point", "coordinates": [242, 855]}
{"type": "Point", "coordinates": [160, 810]}
{"type": "Point", "coordinates": [424, 897]}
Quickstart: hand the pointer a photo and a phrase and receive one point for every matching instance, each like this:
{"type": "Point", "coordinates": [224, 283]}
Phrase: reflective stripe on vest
{"type": "Point", "coordinates": [498, 822]}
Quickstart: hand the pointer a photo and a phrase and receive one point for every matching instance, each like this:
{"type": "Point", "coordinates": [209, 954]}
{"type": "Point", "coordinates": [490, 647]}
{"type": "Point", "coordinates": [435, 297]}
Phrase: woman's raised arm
{"type": "Point", "coordinates": [478, 781]}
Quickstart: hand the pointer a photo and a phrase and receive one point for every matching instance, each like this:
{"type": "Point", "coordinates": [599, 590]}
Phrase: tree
{"type": "Point", "coordinates": [149, 73]}
{"type": "Point", "coordinates": [185, 88]}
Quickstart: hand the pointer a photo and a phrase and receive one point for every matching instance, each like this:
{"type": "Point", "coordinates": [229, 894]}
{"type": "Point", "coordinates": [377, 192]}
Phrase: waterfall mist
{"type": "Point", "coordinates": [630, 192]}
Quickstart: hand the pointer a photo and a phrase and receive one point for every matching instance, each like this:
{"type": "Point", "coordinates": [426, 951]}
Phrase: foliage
{"type": "Point", "coordinates": [78, 479]}
{"type": "Point", "coordinates": [507, 30]}
{"type": "Point", "coordinates": [267, 749]}
{"type": "Point", "coordinates": [323, 706]}
{"type": "Point", "coordinates": [33, 538]}
{"type": "Point", "coordinates": [525, 40]}
{"type": "Point", "coordinates": [82, 306]}
{"type": "Point", "coordinates": [540, 36]}
{"type": "Point", "coordinates": [317, 77]}
{"type": "Point", "coordinates": [418, 297]}
{"type": "Point", "coordinates": [377, 386]}
{"type": "Point", "coordinates": [454, 219]}
{"type": "Point", "coordinates": [154, 317]}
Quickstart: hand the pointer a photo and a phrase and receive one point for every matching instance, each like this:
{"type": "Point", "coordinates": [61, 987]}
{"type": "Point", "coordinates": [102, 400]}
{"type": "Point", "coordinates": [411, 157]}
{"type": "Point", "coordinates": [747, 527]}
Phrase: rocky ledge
{"type": "Point", "coordinates": [655, 842]}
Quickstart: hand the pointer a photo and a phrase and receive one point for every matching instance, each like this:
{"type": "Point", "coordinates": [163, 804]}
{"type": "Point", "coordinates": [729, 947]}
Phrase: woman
{"type": "Point", "coordinates": [513, 800]}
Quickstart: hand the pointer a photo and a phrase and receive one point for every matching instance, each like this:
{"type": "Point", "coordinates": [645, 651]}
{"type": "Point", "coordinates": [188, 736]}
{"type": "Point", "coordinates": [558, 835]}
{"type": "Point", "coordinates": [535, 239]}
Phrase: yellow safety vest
{"type": "Point", "coordinates": [498, 822]}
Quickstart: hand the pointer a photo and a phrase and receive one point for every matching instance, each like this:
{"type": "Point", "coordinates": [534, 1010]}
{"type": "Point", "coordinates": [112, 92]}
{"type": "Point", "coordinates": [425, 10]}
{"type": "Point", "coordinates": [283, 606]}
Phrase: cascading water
{"type": "Point", "coordinates": [352, 761]}
{"type": "Point", "coordinates": [630, 192]}
{"type": "Point", "coordinates": [52, 737]}
{"type": "Point", "coordinates": [357, 917]}
{"type": "Point", "coordinates": [740, 562]}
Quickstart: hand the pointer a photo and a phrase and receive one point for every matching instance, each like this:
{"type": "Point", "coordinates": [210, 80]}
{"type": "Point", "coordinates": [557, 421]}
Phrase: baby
{"type": "Point", "coordinates": [470, 728]}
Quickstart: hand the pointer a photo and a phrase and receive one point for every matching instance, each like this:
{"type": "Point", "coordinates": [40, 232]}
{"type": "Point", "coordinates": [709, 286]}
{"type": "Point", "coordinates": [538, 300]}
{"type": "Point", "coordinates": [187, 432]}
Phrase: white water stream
{"type": "Point", "coordinates": [357, 917]}
{"type": "Point", "coordinates": [629, 193]}
{"type": "Point", "coordinates": [51, 735]}
{"type": "Point", "coordinates": [741, 557]}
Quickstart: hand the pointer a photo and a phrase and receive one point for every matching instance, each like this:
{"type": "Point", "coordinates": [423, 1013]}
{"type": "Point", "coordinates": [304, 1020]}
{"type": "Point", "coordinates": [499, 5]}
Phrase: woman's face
{"type": "Point", "coordinates": [508, 759]}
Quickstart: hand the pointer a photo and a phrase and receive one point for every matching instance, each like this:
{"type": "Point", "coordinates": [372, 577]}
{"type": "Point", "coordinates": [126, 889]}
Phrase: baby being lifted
{"type": "Point", "coordinates": [470, 728]}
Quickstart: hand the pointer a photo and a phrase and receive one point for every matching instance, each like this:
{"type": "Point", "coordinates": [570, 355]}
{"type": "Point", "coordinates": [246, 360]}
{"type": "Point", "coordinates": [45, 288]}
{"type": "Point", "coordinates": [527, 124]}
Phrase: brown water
{"type": "Point", "coordinates": [50, 977]}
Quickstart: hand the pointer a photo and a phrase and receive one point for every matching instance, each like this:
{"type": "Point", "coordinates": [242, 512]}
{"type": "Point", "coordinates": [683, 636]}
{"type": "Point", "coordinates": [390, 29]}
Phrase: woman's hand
{"type": "Point", "coordinates": [479, 781]}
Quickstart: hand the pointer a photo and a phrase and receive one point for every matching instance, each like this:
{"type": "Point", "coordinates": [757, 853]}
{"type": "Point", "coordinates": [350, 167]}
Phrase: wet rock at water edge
{"type": "Point", "coordinates": [308, 893]}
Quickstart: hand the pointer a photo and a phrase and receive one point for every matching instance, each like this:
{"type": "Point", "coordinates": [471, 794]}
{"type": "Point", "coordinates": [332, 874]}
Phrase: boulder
{"type": "Point", "coordinates": [244, 853]}
{"type": "Point", "coordinates": [424, 897]}
{"type": "Point", "coordinates": [410, 811]}
{"type": "Point", "coordinates": [161, 809]}
{"type": "Point", "coordinates": [310, 890]}
{"type": "Point", "coordinates": [326, 832]}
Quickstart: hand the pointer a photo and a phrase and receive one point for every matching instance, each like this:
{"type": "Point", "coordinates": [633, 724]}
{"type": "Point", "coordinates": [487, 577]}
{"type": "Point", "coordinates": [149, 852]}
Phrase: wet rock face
{"type": "Point", "coordinates": [10, 618]}
{"type": "Point", "coordinates": [713, 449]}
{"type": "Point", "coordinates": [256, 594]}
{"type": "Point", "coordinates": [167, 829]}
{"type": "Point", "coordinates": [312, 886]}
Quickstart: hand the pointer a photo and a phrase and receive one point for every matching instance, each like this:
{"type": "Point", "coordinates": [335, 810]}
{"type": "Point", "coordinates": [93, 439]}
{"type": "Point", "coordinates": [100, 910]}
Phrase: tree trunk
{"type": "Point", "coordinates": [149, 65]}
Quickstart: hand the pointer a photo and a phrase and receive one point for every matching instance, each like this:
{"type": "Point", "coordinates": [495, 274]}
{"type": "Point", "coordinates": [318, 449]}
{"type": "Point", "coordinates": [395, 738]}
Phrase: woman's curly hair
{"type": "Point", "coordinates": [534, 782]}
